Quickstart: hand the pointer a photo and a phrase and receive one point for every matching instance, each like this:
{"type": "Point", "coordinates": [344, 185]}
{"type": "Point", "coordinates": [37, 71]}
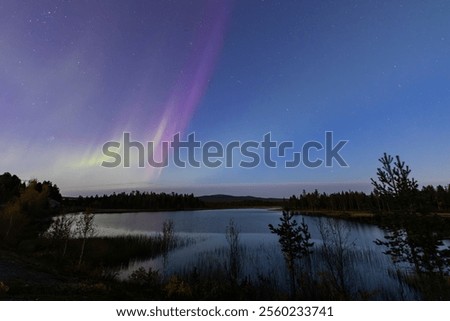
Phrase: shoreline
{"type": "Point", "coordinates": [125, 210]}
{"type": "Point", "coordinates": [318, 213]}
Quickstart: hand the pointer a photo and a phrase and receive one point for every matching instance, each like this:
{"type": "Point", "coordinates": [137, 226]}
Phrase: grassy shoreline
{"type": "Point", "coordinates": [43, 275]}
{"type": "Point", "coordinates": [351, 214]}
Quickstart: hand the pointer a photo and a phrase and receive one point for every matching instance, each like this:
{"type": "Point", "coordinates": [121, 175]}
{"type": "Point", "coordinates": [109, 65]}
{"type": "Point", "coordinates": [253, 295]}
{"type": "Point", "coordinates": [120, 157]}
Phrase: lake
{"type": "Point", "coordinates": [368, 269]}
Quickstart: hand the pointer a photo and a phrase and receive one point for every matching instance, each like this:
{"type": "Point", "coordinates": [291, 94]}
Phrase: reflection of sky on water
{"type": "Point", "coordinates": [261, 253]}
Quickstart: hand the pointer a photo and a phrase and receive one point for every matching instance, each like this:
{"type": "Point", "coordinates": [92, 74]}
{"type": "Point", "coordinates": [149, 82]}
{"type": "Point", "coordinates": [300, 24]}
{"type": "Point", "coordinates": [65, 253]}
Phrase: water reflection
{"type": "Point", "coordinates": [371, 270]}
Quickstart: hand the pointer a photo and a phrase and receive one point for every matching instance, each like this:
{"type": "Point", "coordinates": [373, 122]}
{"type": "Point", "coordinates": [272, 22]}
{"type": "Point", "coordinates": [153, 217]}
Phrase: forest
{"type": "Point", "coordinates": [134, 200]}
{"type": "Point", "coordinates": [427, 199]}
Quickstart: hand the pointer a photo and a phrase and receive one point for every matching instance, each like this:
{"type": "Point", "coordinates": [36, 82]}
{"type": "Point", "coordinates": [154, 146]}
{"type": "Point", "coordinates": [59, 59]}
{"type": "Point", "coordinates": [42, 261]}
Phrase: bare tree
{"type": "Point", "coordinates": [61, 231]}
{"type": "Point", "coordinates": [85, 228]}
{"type": "Point", "coordinates": [232, 235]}
{"type": "Point", "coordinates": [168, 241]}
{"type": "Point", "coordinates": [168, 235]}
{"type": "Point", "coordinates": [336, 249]}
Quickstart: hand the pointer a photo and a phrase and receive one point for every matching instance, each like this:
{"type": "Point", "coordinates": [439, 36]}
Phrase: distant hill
{"type": "Point", "coordinates": [231, 198]}
{"type": "Point", "coordinates": [221, 200]}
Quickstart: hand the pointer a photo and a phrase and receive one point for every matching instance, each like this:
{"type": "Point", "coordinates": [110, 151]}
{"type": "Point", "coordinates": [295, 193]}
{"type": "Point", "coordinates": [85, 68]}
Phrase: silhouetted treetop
{"type": "Point", "coordinates": [395, 185]}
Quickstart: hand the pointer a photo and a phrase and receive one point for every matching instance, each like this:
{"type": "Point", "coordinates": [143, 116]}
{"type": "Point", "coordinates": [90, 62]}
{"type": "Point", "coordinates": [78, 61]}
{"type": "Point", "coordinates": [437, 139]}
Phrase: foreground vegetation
{"type": "Point", "coordinates": [62, 257]}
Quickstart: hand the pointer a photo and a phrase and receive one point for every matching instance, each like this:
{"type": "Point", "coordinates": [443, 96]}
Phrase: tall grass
{"type": "Point", "coordinates": [113, 251]}
{"type": "Point", "coordinates": [367, 276]}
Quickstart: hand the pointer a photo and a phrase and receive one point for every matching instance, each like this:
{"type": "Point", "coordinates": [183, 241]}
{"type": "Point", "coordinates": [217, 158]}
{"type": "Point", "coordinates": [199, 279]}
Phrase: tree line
{"type": "Point", "coordinates": [425, 200]}
{"type": "Point", "coordinates": [136, 200]}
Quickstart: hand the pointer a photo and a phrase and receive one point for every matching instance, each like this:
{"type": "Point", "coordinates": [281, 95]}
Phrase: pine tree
{"type": "Point", "coordinates": [295, 241]}
{"type": "Point", "coordinates": [394, 185]}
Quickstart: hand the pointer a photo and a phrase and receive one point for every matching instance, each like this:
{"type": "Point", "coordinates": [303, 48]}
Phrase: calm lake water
{"type": "Point", "coordinates": [370, 270]}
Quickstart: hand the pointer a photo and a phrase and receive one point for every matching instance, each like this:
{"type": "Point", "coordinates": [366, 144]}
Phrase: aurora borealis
{"type": "Point", "coordinates": [76, 74]}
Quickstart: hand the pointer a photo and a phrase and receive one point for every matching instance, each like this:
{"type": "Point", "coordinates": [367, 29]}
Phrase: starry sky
{"type": "Point", "coordinates": [76, 74]}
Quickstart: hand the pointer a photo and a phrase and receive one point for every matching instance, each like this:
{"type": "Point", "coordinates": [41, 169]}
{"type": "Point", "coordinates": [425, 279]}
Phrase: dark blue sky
{"type": "Point", "coordinates": [74, 75]}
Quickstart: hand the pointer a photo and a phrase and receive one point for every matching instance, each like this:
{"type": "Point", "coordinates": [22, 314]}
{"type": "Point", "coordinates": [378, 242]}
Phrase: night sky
{"type": "Point", "coordinates": [76, 74]}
